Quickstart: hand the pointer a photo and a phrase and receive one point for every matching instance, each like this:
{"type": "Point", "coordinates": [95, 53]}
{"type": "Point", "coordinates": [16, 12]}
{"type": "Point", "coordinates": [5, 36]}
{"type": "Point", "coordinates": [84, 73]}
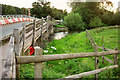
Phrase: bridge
{"type": "Point", "coordinates": [26, 33]}
{"type": "Point", "coordinates": [8, 23]}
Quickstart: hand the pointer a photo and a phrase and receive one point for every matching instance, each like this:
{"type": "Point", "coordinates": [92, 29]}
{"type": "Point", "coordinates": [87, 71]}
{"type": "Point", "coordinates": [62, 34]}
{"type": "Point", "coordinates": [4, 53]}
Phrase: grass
{"type": "Point", "coordinates": [75, 43]}
{"type": "Point", "coordinates": [59, 25]}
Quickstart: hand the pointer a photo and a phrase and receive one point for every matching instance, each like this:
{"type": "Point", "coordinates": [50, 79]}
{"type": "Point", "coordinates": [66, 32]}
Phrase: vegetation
{"type": "Point", "coordinates": [74, 22]}
{"type": "Point", "coordinates": [43, 9]}
{"type": "Point", "coordinates": [90, 11]}
{"type": "Point", "coordinates": [95, 22]}
{"type": "Point", "coordinates": [10, 10]}
{"type": "Point", "coordinates": [75, 43]}
{"type": "Point", "coordinates": [59, 25]}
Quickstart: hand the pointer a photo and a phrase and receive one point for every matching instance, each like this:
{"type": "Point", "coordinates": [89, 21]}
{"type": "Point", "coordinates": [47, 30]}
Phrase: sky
{"type": "Point", "coordinates": [59, 4]}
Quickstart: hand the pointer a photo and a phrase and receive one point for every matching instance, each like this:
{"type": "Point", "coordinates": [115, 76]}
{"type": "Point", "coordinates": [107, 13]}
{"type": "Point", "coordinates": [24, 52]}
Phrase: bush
{"type": "Point", "coordinates": [95, 22]}
{"type": "Point", "coordinates": [74, 22]}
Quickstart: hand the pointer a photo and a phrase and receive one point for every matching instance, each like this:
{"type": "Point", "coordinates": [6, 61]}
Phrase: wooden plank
{"type": "Point", "coordinates": [29, 24]}
{"type": "Point", "coordinates": [14, 66]}
{"type": "Point", "coordinates": [29, 29]}
{"type": "Point", "coordinates": [106, 49]}
{"type": "Point", "coordinates": [32, 59]}
{"type": "Point", "coordinates": [84, 74]}
{"type": "Point", "coordinates": [29, 34]}
{"type": "Point", "coordinates": [24, 32]}
{"type": "Point", "coordinates": [16, 47]}
{"type": "Point", "coordinates": [108, 60]}
{"type": "Point", "coordinates": [48, 24]}
{"type": "Point", "coordinates": [33, 38]}
{"type": "Point", "coordinates": [96, 61]}
{"type": "Point", "coordinates": [41, 31]}
{"type": "Point", "coordinates": [9, 66]}
{"type": "Point", "coordinates": [38, 66]}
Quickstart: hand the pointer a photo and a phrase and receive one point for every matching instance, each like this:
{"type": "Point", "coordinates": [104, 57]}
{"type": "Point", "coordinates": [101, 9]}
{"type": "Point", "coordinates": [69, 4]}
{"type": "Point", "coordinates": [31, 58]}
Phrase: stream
{"type": "Point", "coordinates": [58, 35]}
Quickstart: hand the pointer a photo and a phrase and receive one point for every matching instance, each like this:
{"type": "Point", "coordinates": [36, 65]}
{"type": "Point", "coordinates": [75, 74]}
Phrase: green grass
{"type": "Point", "coordinates": [75, 43]}
{"type": "Point", "coordinates": [59, 25]}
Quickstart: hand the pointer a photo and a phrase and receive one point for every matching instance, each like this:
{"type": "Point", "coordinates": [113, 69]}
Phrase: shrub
{"type": "Point", "coordinates": [74, 22]}
{"type": "Point", "coordinates": [95, 22]}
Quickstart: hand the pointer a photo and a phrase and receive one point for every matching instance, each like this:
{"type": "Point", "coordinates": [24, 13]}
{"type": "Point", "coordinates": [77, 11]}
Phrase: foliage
{"type": "Point", "coordinates": [11, 10]}
{"type": "Point", "coordinates": [74, 22]}
{"type": "Point", "coordinates": [43, 9]}
{"type": "Point", "coordinates": [76, 43]}
{"type": "Point", "coordinates": [89, 10]}
{"type": "Point", "coordinates": [95, 22]}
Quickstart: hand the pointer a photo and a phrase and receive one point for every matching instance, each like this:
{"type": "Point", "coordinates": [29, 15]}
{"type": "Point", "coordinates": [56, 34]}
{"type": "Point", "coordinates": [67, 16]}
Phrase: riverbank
{"type": "Point", "coordinates": [74, 43]}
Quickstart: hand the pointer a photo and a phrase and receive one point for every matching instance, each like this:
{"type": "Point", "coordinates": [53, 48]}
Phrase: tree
{"type": "Point", "coordinates": [95, 22]}
{"type": "Point", "coordinates": [87, 10]}
{"type": "Point", "coordinates": [74, 22]}
{"type": "Point", "coordinates": [41, 8]}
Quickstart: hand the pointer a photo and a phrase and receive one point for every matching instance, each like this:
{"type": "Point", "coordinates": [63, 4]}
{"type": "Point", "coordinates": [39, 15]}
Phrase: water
{"type": "Point", "coordinates": [58, 35]}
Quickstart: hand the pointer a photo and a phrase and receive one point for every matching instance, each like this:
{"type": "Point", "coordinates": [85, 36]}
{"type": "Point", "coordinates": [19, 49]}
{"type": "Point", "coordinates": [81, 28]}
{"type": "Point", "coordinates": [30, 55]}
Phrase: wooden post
{"type": "Point", "coordinates": [16, 47]}
{"type": "Point", "coordinates": [96, 61]}
{"type": "Point", "coordinates": [24, 31]}
{"type": "Point", "coordinates": [33, 38]}
{"type": "Point", "coordinates": [42, 31]}
{"type": "Point", "coordinates": [38, 66]}
{"type": "Point", "coordinates": [103, 56]}
{"type": "Point", "coordinates": [48, 22]}
{"type": "Point", "coordinates": [115, 57]}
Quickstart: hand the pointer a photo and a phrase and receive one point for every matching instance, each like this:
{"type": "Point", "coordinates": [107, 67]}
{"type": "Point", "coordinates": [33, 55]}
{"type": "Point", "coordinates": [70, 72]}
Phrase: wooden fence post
{"type": "Point", "coordinates": [42, 31]}
{"type": "Point", "coordinates": [115, 57]}
{"type": "Point", "coordinates": [96, 61]}
{"type": "Point", "coordinates": [33, 38]}
{"type": "Point", "coordinates": [24, 31]}
{"type": "Point", "coordinates": [38, 66]}
{"type": "Point", "coordinates": [103, 56]}
{"type": "Point", "coordinates": [48, 22]}
{"type": "Point", "coordinates": [16, 48]}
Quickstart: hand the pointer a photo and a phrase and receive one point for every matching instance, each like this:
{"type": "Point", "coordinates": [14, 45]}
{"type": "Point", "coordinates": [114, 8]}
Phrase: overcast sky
{"type": "Point", "coordinates": [60, 4]}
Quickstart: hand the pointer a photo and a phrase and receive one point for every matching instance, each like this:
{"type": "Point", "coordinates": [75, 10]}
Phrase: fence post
{"type": "Point", "coordinates": [42, 31]}
{"type": "Point", "coordinates": [16, 48]}
{"type": "Point", "coordinates": [96, 61]}
{"type": "Point", "coordinates": [24, 31]}
{"type": "Point", "coordinates": [38, 66]}
{"type": "Point", "coordinates": [103, 56]}
{"type": "Point", "coordinates": [48, 23]}
{"type": "Point", "coordinates": [115, 57]}
{"type": "Point", "coordinates": [33, 38]}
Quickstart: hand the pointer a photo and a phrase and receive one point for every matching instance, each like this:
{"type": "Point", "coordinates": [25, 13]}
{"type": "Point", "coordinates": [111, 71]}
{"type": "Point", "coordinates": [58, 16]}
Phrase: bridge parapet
{"type": "Point", "coordinates": [20, 42]}
{"type": "Point", "coordinates": [9, 19]}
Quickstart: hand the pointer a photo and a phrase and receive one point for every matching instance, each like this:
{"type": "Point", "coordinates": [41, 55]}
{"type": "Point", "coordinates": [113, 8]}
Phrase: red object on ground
{"type": "Point", "coordinates": [31, 50]}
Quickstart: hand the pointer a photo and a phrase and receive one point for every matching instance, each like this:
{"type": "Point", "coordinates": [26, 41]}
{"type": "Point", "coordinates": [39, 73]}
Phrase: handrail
{"type": "Point", "coordinates": [9, 68]}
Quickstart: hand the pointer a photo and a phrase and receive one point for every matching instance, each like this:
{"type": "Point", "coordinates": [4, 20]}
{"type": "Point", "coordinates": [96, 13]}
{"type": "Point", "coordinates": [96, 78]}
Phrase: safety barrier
{"type": "Point", "coordinates": [14, 20]}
